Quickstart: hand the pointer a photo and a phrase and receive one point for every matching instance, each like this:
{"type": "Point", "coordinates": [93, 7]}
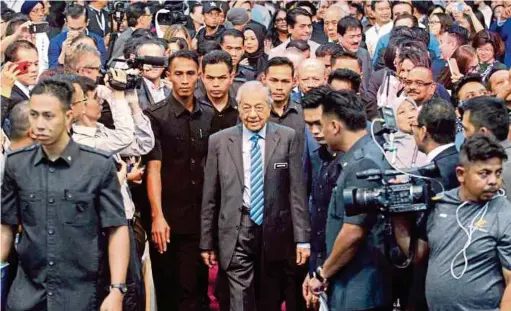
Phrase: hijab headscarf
{"type": "Point", "coordinates": [258, 59]}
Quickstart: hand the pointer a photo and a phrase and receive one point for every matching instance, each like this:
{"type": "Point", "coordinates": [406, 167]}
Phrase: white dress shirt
{"type": "Point", "coordinates": [435, 152]}
{"type": "Point", "coordinates": [246, 149]}
{"type": "Point", "coordinates": [374, 34]}
{"type": "Point", "coordinates": [43, 44]}
{"type": "Point", "coordinates": [157, 93]}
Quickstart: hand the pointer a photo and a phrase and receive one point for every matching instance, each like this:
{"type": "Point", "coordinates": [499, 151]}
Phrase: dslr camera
{"type": "Point", "coordinates": [413, 196]}
{"type": "Point", "coordinates": [132, 81]}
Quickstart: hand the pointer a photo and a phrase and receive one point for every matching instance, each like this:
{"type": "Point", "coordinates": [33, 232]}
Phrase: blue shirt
{"type": "Point", "coordinates": [433, 47]}
{"type": "Point", "coordinates": [56, 48]}
{"type": "Point", "coordinates": [505, 33]}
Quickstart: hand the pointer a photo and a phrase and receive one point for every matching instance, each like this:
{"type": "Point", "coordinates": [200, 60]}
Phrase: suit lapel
{"type": "Point", "coordinates": [236, 151]}
{"type": "Point", "coordinates": [272, 139]}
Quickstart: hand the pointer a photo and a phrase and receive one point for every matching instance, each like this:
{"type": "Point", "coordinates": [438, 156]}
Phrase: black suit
{"type": "Point", "coordinates": [96, 20]}
{"type": "Point", "coordinates": [446, 161]}
{"type": "Point", "coordinates": [17, 96]}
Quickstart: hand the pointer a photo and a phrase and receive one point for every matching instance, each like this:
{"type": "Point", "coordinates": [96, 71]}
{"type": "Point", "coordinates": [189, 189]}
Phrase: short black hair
{"type": "Point", "coordinates": [494, 70]}
{"type": "Point", "coordinates": [422, 6]}
{"type": "Point", "coordinates": [76, 11]}
{"type": "Point", "coordinates": [7, 14]}
{"type": "Point", "coordinates": [421, 34]}
{"type": "Point", "coordinates": [217, 57]}
{"type": "Point", "coordinates": [187, 54]}
{"type": "Point", "coordinates": [308, 4]}
{"type": "Point", "coordinates": [206, 46]}
{"type": "Point", "coordinates": [346, 23]}
{"type": "Point", "coordinates": [142, 33]}
{"type": "Point", "coordinates": [459, 33]}
{"type": "Point", "coordinates": [315, 96]}
{"type": "Point", "coordinates": [481, 147]}
{"type": "Point", "coordinates": [414, 20]}
{"type": "Point", "coordinates": [300, 45]}
{"type": "Point", "coordinates": [347, 107]}
{"type": "Point", "coordinates": [474, 77]}
{"type": "Point", "coordinates": [439, 118]}
{"type": "Point", "coordinates": [11, 53]}
{"type": "Point", "coordinates": [358, 7]}
{"type": "Point", "coordinates": [280, 61]}
{"type": "Point", "coordinates": [345, 54]}
{"type": "Point", "coordinates": [86, 84]}
{"type": "Point", "coordinates": [346, 75]}
{"type": "Point", "coordinates": [417, 57]}
{"type": "Point", "coordinates": [488, 112]}
{"type": "Point", "coordinates": [14, 23]}
{"type": "Point", "coordinates": [60, 89]}
{"type": "Point", "coordinates": [373, 3]}
{"type": "Point", "coordinates": [231, 33]}
{"type": "Point", "coordinates": [329, 48]}
{"type": "Point", "coordinates": [134, 12]}
{"type": "Point", "coordinates": [293, 14]}
{"type": "Point", "coordinates": [393, 4]}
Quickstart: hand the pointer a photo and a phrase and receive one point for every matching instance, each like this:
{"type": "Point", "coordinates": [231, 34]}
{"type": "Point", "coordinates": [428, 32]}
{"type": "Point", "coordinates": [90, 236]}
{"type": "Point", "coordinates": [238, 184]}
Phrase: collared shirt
{"type": "Point", "coordinates": [157, 93]}
{"type": "Point", "coordinates": [223, 119]}
{"type": "Point", "coordinates": [293, 118]}
{"type": "Point", "coordinates": [435, 152]}
{"type": "Point", "coordinates": [181, 144]}
{"type": "Point", "coordinates": [374, 34]}
{"type": "Point", "coordinates": [110, 140]}
{"type": "Point", "coordinates": [23, 88]}
{"type": "Point", "coordinates": [246, 149]}
{"type": "Point", "coordinates": [63, 207]}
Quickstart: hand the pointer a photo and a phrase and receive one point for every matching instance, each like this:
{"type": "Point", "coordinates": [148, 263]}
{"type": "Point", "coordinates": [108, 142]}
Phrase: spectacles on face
{"type": "Point", "coordinates": [280, 20]}
{"type": "Point", "coordinates": [485, 50]}
{"type": "Point", "coordinates": [475, 68]}
{"type": "Point", "coordinates": [419, 83]}
{"type": "Point", "coordinates": [83, 101]}
{"type": "Point", "coordinates": [92, 68]}
{"type": "Point", "coordinates": [433, 22]}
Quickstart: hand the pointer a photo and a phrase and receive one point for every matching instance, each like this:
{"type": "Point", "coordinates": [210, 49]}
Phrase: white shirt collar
{"type": "Point", "coordinates": [151, 85]}
{"type": "Point", "coordinates": [248, 133]}
{"type": "Point", "coordinates": [23, 88]}
{"type": "Point", "coordinates": [435, 152]}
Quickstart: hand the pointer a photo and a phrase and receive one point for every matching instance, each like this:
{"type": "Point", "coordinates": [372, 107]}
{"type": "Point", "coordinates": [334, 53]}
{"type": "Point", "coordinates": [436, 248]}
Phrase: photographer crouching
{"type": "Point", "coordinates": [467, 235]}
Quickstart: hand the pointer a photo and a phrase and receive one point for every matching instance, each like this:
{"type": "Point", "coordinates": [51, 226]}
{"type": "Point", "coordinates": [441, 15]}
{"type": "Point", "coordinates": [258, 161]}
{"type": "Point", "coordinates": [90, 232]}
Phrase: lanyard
{"type": "Point", "coordinates": [101, 23]}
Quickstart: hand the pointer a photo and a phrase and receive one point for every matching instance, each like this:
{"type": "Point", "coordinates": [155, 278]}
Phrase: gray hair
{"type": "Point", "coordinates": [19, 121]}
{"type": "Point", "coordinates": [251, 87]}
{"type": "Point", "coordinates": [70, 60]}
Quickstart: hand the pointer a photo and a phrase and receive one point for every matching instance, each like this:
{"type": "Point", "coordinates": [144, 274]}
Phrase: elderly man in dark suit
{"type": "Point", "coordinates": [254, 207]}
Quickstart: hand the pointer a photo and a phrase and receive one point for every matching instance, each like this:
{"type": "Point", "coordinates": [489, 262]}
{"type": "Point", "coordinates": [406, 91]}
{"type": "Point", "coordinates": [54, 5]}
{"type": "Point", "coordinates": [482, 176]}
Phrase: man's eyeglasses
{"type": "Point", "coordinates": [83, 100]}
{"type": "Point", "coordinates": [92, 68]}
{"type": "Point", "coordinates": [408, 82]}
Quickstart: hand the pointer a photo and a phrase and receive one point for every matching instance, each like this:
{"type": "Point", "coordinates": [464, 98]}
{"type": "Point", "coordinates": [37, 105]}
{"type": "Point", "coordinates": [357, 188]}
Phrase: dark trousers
{"type": "Point", "coordinates": [178, 274]}
{"type": "Point", "coordinates": [256, 284]}
{"type": "Point", "coordinates": [134, 300]}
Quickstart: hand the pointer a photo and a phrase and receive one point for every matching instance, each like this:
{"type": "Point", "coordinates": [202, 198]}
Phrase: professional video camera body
{"type": "Point", "coordinates": [171, 12]}
{"type": "Point", "coordinates": [138, 62]}
{"type": "Point", "coordinates": [413, 196]}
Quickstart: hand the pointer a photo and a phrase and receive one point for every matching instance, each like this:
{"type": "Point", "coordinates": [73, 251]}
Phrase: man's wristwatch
{"type": "Point", "coordinates": [319, 276]}
{"type": "Point", "coordinates": [121, 287]}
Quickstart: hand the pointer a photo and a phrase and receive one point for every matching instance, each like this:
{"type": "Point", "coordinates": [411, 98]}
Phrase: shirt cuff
{"type": "Point", "coordinates": [139, 117]}
{"type": "Point", "coordinates": [303, 245]}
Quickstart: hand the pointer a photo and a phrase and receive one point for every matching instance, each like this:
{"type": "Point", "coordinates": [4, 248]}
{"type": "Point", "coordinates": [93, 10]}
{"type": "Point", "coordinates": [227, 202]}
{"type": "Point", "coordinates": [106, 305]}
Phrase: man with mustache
{"type": "Point", "coordinates": [467, 235]}
{"type": "Point", "coordinates": [488, 115]}
{"type": "Point", "coordinates": [419, 85]}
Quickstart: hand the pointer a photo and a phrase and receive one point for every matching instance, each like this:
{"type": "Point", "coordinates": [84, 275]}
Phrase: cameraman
{"type": "Point", "coordinates": [355, 269]}
{"type": "Point", "coordinates": [468, 235]}
{"type": "Point", "coordinates": [434, 133]}
{"type": "Point", "coordinates": [151, 90]}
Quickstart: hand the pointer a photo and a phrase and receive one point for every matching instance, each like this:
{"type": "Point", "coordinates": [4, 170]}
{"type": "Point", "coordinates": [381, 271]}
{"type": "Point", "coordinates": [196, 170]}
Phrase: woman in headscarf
{"type": "Point", "coordinates": [254, 47]}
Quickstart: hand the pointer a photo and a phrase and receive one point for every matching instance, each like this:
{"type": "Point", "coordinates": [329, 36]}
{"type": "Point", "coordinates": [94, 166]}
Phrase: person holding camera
{"type": "Point", "coordinates": [356, 270]}
{"type": "Point", "coordinates": [152, 90]}
{"type": "Point", "coordinates": [467, 238]}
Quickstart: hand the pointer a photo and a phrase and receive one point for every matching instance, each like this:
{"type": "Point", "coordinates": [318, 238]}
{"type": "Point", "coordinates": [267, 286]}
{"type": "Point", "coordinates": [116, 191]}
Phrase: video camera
{"type": "Point", "coordinates": [171, 12]}
{"type": "Point", "coordinates": [414, 196]}
{"type": "Point", "coordinates": [132, 81]}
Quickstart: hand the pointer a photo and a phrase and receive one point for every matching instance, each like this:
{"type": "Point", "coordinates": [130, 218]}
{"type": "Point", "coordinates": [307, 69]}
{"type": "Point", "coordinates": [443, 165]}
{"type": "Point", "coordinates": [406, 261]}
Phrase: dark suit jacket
{"type": "Point", "coordinates": [286, 218]}
{"type": "Point", "coordinates": [446, 162]}
{"type": "Point", "coordinates": [7, 104]}
{"type": "Point", "coordinates": [94, 19]}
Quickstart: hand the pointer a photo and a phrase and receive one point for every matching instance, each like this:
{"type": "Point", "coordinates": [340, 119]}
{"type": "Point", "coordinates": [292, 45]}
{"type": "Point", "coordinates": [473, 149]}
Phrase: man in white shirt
{"type": "Point", "coordinates": [434, 132]}
{"type": "Point", "coordinates": [332, 16]}
{"type": "Point", "coordinates": [383, 25]}
{"type": "Point", "coordinates": [299, 23]}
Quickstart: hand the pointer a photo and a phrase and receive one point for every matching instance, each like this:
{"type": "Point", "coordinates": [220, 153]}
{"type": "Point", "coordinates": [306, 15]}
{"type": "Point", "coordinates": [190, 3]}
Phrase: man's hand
{"type": "Point", "coordinates": [22, 28]}
{"type": "Point", "coordinates": [209, 258]}
{"type": "Point", "coordinates": [302, 254]}
{"type": "Point", "coordinates": [160, 233]}
{"type": "Point", "coordinates": [116, 80]}
{"type": "Point", "coordinates": [112, 302]}
{"type": "Point", "coordinates": [8, 77]}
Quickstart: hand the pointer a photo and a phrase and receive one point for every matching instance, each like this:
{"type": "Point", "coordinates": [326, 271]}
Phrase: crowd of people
{"type": "Point", "coordinates": [152, 148]}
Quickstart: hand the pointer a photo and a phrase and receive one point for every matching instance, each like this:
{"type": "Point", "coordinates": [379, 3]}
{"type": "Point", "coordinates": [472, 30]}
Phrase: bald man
{"type": "Point", "coordinates": [311, 73]}
{"type": "Point", "coordinates": [332, 16]}
{"type": "Point", "coordinates": [419, 85]}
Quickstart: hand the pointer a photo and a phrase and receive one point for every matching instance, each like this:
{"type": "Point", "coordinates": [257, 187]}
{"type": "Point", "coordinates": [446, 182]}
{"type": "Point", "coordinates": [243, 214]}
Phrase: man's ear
{"type": "Point", "coordinates": [485, 131]}
{"type": "Point", "coordinates": [263, 79]}
{"type": "Point", "coordinates": [460, 170]}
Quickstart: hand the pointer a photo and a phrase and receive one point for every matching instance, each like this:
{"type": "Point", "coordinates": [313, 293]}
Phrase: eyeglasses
{"type": "Point", "coordinates": [92, 68]}
{"type": "Point", "coordinates": [418, 83]}
{"type": "Point", "coordinates": [83, 100]}
{"type": "Point", "coordinates": [433, 22]}
{"type": "Point", "coordinates": [280, 20]}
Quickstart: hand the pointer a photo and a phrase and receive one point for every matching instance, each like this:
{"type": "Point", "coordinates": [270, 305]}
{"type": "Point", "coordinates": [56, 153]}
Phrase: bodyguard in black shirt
{"type": "Point", "coordinates": [64, 196]}
{"type": "Point", "coordinates": [181, 127]}
{"type": "Point", "coordinates": [217, 78]}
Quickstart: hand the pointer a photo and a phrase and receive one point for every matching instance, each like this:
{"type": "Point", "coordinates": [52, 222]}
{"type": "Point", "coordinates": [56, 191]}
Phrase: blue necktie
{"type": "Point", "coordinates": [256, 181]}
